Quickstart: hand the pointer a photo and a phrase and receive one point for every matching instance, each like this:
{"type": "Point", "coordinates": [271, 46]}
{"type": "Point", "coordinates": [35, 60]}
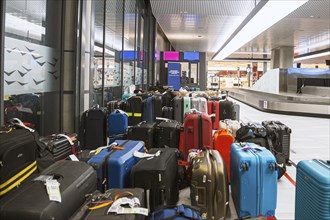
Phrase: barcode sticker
{"type": "Point", "coordinates": [53, 189]}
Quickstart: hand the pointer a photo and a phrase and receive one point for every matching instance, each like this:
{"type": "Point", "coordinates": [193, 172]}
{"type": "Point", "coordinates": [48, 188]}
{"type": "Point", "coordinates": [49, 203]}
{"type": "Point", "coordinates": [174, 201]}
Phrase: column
{"type": "Point", "coordinates": [275, 59]}
{"type": "Point", "coordinates": [282, 57]}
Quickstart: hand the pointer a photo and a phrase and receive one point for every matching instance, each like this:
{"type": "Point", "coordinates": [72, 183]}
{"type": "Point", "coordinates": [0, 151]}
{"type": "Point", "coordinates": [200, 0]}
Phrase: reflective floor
{"type": "Point", "coordinates": [309, 140]}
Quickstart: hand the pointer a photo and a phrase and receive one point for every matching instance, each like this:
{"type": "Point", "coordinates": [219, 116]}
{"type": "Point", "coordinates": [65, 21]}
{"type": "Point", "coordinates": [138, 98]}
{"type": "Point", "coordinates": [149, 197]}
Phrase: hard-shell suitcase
{"type": "Point", "coordinates": [112, 105]}
{"type": "Point", "coordinates": [168, 112]}
{"type": "Point", "coordinates": [232, 125]}
{"type": "Point", "coordinates": [197, 132]}
{"type": "Point", "coordinates": [97, 198]}
{"type": "Point", "coordinates": [227, 111]}
{"type": "Point", "coordinates": [236, 114]}
{"type": "Point", "coordinates": [143, 132]}
{"type": "Point", "coordinates": [31, 200]}
{"type": "Point", "coordinates": [223, 139]}
{"type": "Point", "coordinates": [18, 154]}
{"type": "Point", "coordinates": [253, 176]}
{"type": "Point", "coordinates": [134, 110]}
{"type": "Point", "coordinates": [312, 190]}
{"type": "Point", "coordinates": [167, 98]}
{"type": "Point", "coordinates": [199, 103]}
{"type": "Point", "coordinates": [93, 128]}
{"type": "Point", "coordinates": [178, 108]}
{"type": "Point", "coordinates": [158, 104]}
{"type": "Point", "coordinates": [113, 164]}
{"type": "Point", "coordinates": [209, 185]}
{"type": "Point", "coordinates": [158, 175]}
{"type": "Point", "coordinates": [167, 133]}
{"type": "Point", "coordinates": [148, 114]}
{"type": "Point", "coordinates": [61, 146]}
{"type": "Point", "coordinates": [186, 106]}
{"type": "Point", "coordinates": [250, 130]}
{"type": "Point", "coordinates": [213, 108]}
{"type": "Point", "coordinates": [180, 212]}
{"type": "Point", "coordinates": [278, 135]}
{"type": "Point", "coordinates": [118, 122]}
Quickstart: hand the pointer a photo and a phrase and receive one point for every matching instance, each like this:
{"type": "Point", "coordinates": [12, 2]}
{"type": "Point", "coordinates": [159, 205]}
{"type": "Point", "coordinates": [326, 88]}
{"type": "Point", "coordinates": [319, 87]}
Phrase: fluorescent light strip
{"type": "Point", "coordinates": [312, 56]}
{"type": "Point", "coordinates": [272, 12]}
{"type": "Point", "coordinates": [100, 49]}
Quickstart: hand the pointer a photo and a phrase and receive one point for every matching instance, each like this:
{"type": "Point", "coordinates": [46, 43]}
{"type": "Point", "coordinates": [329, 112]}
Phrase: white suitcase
{"type": "Point", "coordinates": [199, 103]}
{"type": "Point", "coordinates": [232, 125]}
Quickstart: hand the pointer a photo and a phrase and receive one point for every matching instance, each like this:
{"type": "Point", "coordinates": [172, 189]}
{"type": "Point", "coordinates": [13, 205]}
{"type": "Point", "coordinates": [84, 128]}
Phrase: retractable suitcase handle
{"type": "Point", "coordinates": [19, 123]}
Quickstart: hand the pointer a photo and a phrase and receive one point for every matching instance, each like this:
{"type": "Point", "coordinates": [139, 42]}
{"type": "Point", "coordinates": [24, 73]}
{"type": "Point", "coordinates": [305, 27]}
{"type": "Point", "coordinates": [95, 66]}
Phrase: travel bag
{"type": "Point", "coordinates": [312, 190]}
{"type": "Point", "coordinates": [114, 163]}
{"type": "Point", "coordinates": [197, 132]}
{"type": "Point", "coordinates": [209, 185]}
{"type": "Point", "coordinates": [158, 175]}
{"type": "Point", "coordinates": [118, 122]}
{"type": "Point", "coordinates": [250, 130]}
{"type": "Point", "coordinates": [227, 111]}
{"type": "Point", "coordinates": [223, 139]}
{"type": "Point", "coordinates": [178, 108]}
{"type": "Point", "coordinates": [253, 178]}
{"type": "Point", "coordinates": [236, 114]}
{"type": "Point", "coordinates": [148, 114]}
{"type": "Point", "coordinates": [167, 133]}
{"type": "Point", "coordinates": [61, 145]}
{"type": "Point", "coordinates": [143, 132]}
{"type": "Point", "coordinates": [31, 200]}
{"type": "Point", "coordinates": [213, 109]}
{"type": "Point", "coordinates": [112, 105]}
{"type": "Point", "coordinates": [167, 112]}
{"type": "Point", "coordinates": [186, 106]}
{"type": "Point", "coordinates": [93, 128]}
{"type": "Point", "coordinates": [98, 204]}
{"type": "Point", "coordinates": [134, 110]}
{"type": "Point", "coordinates": [180, 212]}
{"type": "Point", "coordinates": [232, 125]}
{"type": "Point", "coordinates": [199, 103]}
{"type": "Point", "coordinates": [158, 105]}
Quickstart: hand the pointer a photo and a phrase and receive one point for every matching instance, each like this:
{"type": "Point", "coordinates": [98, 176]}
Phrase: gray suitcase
{"type": "Point", "coordinates": [178, 108]}
{"type": "Point", "coordinates": [236, 112]}
{"type": "Point", "coordinates": [209, 185]}
{"type": "Point", "coordinates": [200, 104]}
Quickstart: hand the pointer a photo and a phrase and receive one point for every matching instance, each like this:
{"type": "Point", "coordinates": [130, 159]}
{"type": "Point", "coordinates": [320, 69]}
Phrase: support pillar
{"type": "Point", "coordinates": [282, 57]}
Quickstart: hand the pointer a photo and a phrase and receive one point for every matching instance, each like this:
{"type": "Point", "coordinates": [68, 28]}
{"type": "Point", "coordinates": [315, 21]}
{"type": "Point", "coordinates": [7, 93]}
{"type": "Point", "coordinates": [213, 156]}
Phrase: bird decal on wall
{"type": "Point", "coordinates": [9, 82]}
{"type": "Point", "coordinates": [9, 73]}
{"type": "Point", "coordinates": [27, 69]}
{"type": "Point", "coordinates": [38, 82]}
{"type": "Point", "coordinates": [21, 83]}
{"type": "Point", "coordinates": [21, 73]}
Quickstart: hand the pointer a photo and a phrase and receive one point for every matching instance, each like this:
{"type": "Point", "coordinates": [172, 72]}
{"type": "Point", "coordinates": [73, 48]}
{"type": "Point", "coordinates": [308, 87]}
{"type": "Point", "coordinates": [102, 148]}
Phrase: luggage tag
{"type": "Point", "coordinates": [146, 155]}
{"type": "Point", "coordinates": [53, 190]}
{"type": "Point", "coordinates": [134, 207]}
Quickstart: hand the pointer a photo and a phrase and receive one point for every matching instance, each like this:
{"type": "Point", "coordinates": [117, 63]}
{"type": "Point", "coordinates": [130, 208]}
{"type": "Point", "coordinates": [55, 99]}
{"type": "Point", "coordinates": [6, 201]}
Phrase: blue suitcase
{"type": "Point", "coordinates": [118, 122]}
{"type": "Point", "coordinates": [148, 114]}
{"type": "Point", "coordinates": [313, 190]}
{"type": "Point", "coordinates": [180, 212]}
{"type": "Point", "coordinates": [113, 164]}
{"type": "Point", "coordinates": [253, 178]}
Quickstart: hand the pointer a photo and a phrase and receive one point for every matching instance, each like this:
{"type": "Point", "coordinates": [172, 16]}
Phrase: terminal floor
{"type": "Point", "coordinates": [310, 139]}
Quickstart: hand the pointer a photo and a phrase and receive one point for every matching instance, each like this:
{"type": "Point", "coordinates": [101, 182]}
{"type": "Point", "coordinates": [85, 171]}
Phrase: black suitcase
{"type": "Point", "coordinates": [93, 128]}
{"type": "Point", "coordinates": [278, 137]}
{"type": "Point", "coordinates": [226, 109]}
{"type": "Point", "coordinates": [18, 154]}
{"type": "Point", "coordinates": [134, 109]}
{"type": "Point", "coordinates": [167, 112]}
{"type": "Point", "coordinates": [97, 198]}
{"type": "Point", "coordinates": [112, 105]}
{"type": "Point", "coordinates": [60, 146]}
{"type": "Point", "coordinates": [261, 141]}
{"type": "Point", "coordinates": [158, 176]}
{"type": "Point", "coordinates": [142, 132]}
{"type": "Point", "coordinates": [31, 201]}
{"type": "Point", "coordinates": [167, 133]}
{"type": "Point", "coordinates": [158, 104]}
{"type": "Point", "coordinates": [167, 99]}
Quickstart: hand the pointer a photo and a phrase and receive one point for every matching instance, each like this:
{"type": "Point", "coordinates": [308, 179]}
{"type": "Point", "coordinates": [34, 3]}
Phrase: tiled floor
{"type": "Point", "coordinates": [310, 139]}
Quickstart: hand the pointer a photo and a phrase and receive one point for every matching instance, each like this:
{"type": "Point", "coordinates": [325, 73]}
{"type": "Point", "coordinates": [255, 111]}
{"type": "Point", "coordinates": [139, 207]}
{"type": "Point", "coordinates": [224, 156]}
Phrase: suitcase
{"type": "Point", "coordinates": [112, 105]}
{"type": "Point", "coordinates": [143, 132]}
{"type": "Point", "coordinates": [312, 190]}
{"type": "Point", "coordinates": [134, 110]}
{"type": "Point", "coordinates": [167, 133]}
{"type": "Point", "coordinates": [18, 154]}
{"type": "Point", "coordinates": [167, 112]}
{"type": "Point", "coordinates": [31, 200]}
{"type": "Point", "coordinates": [261, 141]}
{"type": "Point", "coordinates": [113, 164]}
{"type": "Point", "coordinates": [158, 105]}
{"type": "Point", "coordinates": [167, 98]}
{"type": "Point", "coordinates": [148, 114]}
{"type": "Point", "coordinates": [178, 108]}
{"type": "Point", "coordinates": [236, 114]}
{"type": "Point", "coordinates": [278, 136]}
{"type": "Point", "coordinates": [118, 122]}
{"type": "Point", "coordinates": [253, 177]}
{"type": "Point", "coordinates": [209, 185]}
{"type": "Point", "coordinates": [223, 140]}
{"type": "Point", "coordinates": [250, 130]}
{"type": "Point", "coordinates": [200, 104]}
{"type": "Point", "coordinates": [176, 212]}
{"type": "Point", "coordinates": [197, 132]}
{"type": "Point", "coordinates": [61, 146]}
{"type": "Point", "coordinates": [213, 108]}
{"type": "Point", "coordinates": [83, 213]}
{"type": "Point", "coordinates": [232, 125]}
{"type": "Point", "coordinates": [186, 106]}
{"type": "Point", "coordinates": [227, 111]}
{"type": "Point", "coordinates": [93, 128]}
{"type": "Point", "coordinates": [158, 175]}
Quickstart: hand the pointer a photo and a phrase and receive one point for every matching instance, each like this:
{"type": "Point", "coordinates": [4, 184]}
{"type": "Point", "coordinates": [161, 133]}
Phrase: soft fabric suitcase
{"type": "Point", "coordinates": [18, 154]}
{"type": "Point", "coordinates": [118, 122]}
{"type": "Point", "coordinates": [209, 185]}
{"type": "Point", "coordinates": [200, 104]}
{"type": "Point", "coordinates": [113, 164]}
{"type": "Point", "coordinates": [178, 108]}
{"type": "Point", "coordinates": [148, 114]}
{"type": "Point", "coordinates": [180, 212]}
{"type": "Point", "coordinates": [93, 128]}
{"type": "Point", "coordinates": [213, 108]}
{"type": "Point", "coordinates": [250, 130]}
{"type": "Point", "coordinates": [143, 132]}
{"type": "Point", "coordinates": [134, 110]}
{"type": "Point", "coordinates": [232, 125]}
{"type": "Point", "coordinates": [97, 198]}
{"type": "Point", "coordinates": [197, 132]}
{"type": "Point", "coordinates": [223, 139]}
{"type": "Point", "coordinates": [167, 133]}
{"type": "Point", "coordinates": [158, 175]}
{"type": "Point", "coordinates": [227, 111]}
{"type": "Point", "coordinates": [278, 136]}
{"type": "Point", "coordinates": [253, 176]}
{"type": "Point", "coordinates": [158, 104]}
{"type": "Point", "coordinates": [31, 201]}
{"type": "Point", "coordinates": [168, 112]}
{"type": "Point", "coordinates": [313, 190]}
{"type": "Point", "coordinates": [236, 114]}
{"type": "Point", "coordinates": [61, 145]}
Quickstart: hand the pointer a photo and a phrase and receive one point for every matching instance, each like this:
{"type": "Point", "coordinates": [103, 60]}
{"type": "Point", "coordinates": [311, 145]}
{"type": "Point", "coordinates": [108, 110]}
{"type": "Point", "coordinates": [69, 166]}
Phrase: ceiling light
{"type": "Point", "coordinates": [327, 53]}
{"type": "Point", "coordinates": [266, 14]}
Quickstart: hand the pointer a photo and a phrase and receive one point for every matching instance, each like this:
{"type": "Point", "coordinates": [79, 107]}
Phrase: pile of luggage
{"type": "Point", "coordinates": [134, 156]}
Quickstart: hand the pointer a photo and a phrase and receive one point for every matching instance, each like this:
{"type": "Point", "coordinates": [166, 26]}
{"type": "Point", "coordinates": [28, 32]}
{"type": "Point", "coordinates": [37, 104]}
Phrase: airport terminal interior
{"type": "Point", "coordinates": [61, 58]}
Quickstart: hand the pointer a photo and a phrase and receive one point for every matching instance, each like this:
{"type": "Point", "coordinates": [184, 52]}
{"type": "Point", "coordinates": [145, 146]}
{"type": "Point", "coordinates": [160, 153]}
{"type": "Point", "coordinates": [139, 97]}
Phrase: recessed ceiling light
{"type": "Point", "coordinates": [312, 16]}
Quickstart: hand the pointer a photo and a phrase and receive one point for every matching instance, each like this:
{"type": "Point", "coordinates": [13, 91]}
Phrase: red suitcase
{"type": "Point", "coordinates": [213, 108]}
{"type": "Point", "coordinates": [197, 132]}
{"type": "Point", "coordinates": [223, 140]}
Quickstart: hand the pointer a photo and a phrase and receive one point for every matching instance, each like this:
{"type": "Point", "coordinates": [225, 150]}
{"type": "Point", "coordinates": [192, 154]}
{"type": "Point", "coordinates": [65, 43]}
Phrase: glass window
{"type": "Point", "coordinates": [32, 63]}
